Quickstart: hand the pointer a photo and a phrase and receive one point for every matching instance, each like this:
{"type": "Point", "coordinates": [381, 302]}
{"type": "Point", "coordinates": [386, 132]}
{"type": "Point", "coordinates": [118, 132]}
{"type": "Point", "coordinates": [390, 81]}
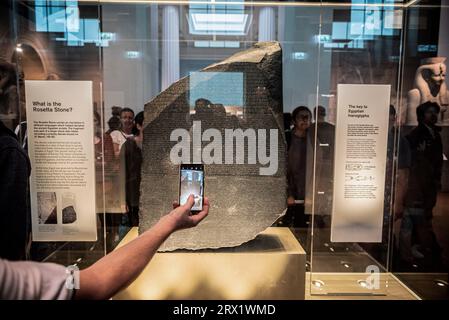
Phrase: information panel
{"type": "Point", "coordinates": [360, 162]}
{"type": "Point", "coordinates": [60, 145]}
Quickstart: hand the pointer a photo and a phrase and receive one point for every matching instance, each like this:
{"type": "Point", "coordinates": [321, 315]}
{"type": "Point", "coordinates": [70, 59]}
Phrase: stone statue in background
{"type": "Point", "coordinates": [430, 86]}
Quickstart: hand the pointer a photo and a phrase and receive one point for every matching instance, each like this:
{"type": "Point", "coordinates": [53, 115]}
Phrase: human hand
{"type": "Point", "coordinates": [290, 201]}
{"type": "Point", "coordinates": [181, 218]}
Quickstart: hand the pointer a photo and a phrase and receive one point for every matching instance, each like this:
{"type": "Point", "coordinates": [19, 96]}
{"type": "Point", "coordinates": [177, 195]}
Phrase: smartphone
{"type": "Point", "coordinates": [191, 181]}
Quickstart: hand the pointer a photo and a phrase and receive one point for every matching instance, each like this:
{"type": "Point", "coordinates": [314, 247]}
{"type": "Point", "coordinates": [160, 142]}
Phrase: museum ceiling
{"type": "Point", "coordinates": [398, 3]}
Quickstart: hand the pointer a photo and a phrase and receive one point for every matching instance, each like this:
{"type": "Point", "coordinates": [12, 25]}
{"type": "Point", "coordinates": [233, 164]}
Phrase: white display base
{"type": "Point", "coordinates": [270, 267]}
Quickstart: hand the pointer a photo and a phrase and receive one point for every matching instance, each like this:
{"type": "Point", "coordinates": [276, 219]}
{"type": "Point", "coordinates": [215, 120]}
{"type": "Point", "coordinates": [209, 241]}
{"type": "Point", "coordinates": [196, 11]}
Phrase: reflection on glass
{"type": "Point", "coordinates": [322, 47]}
{"type": "Point", "coordinates": [220, 89]}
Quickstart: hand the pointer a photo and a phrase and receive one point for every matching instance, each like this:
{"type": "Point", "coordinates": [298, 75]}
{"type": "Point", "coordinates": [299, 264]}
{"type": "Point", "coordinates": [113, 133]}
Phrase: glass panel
{"type": "Point", "coordinates": [147, 64]}
{"type": "Point", "coordinates": [361, 46]}
{"type": "Point", "coordinates": [56, 42]}
{"type": "Point", "coordinates": [421, 253]}
{"type": "Point", "coordinates": [132, 52]}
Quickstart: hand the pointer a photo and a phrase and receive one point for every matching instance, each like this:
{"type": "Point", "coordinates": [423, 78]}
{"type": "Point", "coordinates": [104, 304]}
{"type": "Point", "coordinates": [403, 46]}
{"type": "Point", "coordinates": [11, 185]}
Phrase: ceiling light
{"type": "Point", "coordinates": [218, 23]}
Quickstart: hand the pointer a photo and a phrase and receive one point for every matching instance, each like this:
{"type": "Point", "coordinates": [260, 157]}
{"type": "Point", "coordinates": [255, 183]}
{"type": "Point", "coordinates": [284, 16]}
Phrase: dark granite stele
{"type": "Point", "coordinates": [243, 202]}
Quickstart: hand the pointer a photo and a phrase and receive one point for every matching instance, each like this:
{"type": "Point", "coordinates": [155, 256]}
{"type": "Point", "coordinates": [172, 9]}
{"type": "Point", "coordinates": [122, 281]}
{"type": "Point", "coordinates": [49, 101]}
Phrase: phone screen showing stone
{"type": "Point", "coordinates": [191, 181]}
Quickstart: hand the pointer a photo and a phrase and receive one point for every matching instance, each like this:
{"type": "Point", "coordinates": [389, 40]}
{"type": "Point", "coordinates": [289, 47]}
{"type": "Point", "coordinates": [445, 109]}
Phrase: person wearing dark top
{"type": "Point", "coordinates": [397, 169]}
{"type": "Point", "coordinates": [14, 201]}
{"type": "Point", "coordinates": [297, 168]}
{"type": "Point", "coordinates": [132, 154]}
{"type": "Point", "coordinates": [297, 159]}
{"type": "Point", "coordinates": [417, 239]}
{"type": "Point", "coordinates": [396, 188]}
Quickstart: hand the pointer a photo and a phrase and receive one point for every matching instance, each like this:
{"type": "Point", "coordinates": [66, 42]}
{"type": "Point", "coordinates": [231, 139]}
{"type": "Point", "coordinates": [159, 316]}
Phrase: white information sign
{"type": "Point", "coordinates": [361, 139]}
{"type": "Point", "coordinates": [60, 145]}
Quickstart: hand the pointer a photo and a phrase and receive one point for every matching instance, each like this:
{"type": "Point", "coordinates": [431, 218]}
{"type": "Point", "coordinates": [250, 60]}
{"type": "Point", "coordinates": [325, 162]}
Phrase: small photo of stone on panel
{"type": "Point", "coordinates": [68, 208]}
{"type": "Point", "coordinates": [47, 208]}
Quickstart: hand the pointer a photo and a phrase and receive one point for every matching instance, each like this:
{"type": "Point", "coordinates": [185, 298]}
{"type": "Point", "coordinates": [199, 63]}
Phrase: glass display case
{"type": "Point", "coordinates": [95, 90]}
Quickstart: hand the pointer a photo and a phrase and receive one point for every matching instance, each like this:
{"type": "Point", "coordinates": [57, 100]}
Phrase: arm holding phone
{"type": "Point", "coordinates": [119, 268]}
{"type": "Point", "coordinates": [37, 280]}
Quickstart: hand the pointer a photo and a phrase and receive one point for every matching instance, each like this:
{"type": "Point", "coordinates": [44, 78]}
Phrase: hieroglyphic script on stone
{"type": "Point", "coordinates": [247, 189]}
